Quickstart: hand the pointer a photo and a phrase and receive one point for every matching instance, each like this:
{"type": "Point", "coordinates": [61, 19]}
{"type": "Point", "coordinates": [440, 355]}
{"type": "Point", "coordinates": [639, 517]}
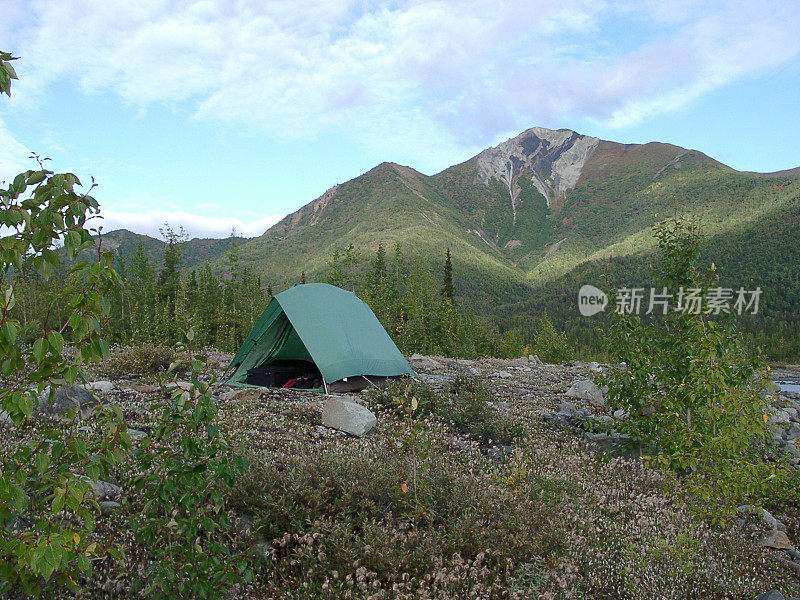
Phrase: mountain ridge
{"type": "Point", "coordinates": [523, 215]}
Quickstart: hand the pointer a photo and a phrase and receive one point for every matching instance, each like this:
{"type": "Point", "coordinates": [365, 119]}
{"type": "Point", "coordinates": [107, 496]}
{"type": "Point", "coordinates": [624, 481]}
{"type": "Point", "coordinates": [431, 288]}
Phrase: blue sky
{"type": "Point", "coordinates": [212, 114]}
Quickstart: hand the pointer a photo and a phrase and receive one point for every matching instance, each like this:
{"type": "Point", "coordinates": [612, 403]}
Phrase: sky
{"type": "Point", "coordinates": [221, 114]}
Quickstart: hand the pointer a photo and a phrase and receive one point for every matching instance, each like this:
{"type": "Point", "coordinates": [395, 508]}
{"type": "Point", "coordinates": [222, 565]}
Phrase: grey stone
{"type": "Point", "coordinates": [595, 366]}
{"type": "Point", "coordinates": [793, 451]}
{"type": "Point", "coordinates": [136, 434]}
{"type": "Point", "coordinates": [109, 507]}
{"type": "Point", "coordinates": [99, 386]}
{"type": "Point", "coordinates": [793, 554]}
{"type": "Point", "coordinates": [588, 391]}
{"type": "Point", "coordinates": [764, 514]}
{"type": "Point", "coordinates": [596, 437]}
{"type": "Point", "coordinates": [103, 490]}
{"type": "Point", "coordinates": [771, 595]}
{"type": "Point", "coordinates": [534, 359]}
{"type": "Point", "coordinates": [418, 361]}
{"type": "Point", "coordinates": [777, 416]}
{"type": "Point", "coordinates": [620, 414]}
{"type": "Point", "coordinates": [567, 408]}
{"type": "Point", "coordinates": [241, 395]}
{"type": "Point", "coordinates": [793, 432]}
{"type": "Point", "coordinates": [502, 374]}
{"type": "Point", "coordinates": [454, 364]}
{"type": "Point", "coordinates": [462, 445]}
{"type": "Point", "coordinates": [498, 453]}
{"type": "Point", "coordinates": [345, 414]}
{"type": "Point", "coordinates": [5, 419]}
{"type": "Point", "coordinates": [66, 399]}
{"type": "Point", "coordinates": [186, 386]}
{"type": "Point", "coordinates": [776, 539]}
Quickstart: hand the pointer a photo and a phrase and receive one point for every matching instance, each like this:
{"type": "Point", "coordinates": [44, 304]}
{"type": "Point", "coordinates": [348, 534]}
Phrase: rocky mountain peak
{"type": "Point", "coordinates": [553, 158]}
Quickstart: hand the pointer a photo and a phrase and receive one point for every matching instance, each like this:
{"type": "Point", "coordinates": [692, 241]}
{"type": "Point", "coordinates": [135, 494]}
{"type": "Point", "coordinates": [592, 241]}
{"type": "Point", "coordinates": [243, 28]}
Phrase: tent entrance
{"type": "Point", "coordinates": [278, 373]}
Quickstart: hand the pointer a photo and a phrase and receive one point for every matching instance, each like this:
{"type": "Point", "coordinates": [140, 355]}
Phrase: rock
{"type": "Point", "coordinates": [765, 515]}
{"type": "Point", "coordinates": [567, 409]}
{"type": "Point", "coordinates": [320, 431]}
{"type": "Point", "coordinates": [532, 358]}
{"type": "Point", "coordinates": [620, 414]}
{"type": "Point", "coordinates": [136, 434]}
{"type": "Point", "coordinates": [777, 416]}
{"type": "Point", "coordinates": [596, 437]}
{"type": "Point", "coordinates": [587, 390]}
{"type": "Point", "coordinates": [791, 411]}
{"type": "Point", "coordinates": [776, 539]}
{"type": "Point", "coordinates": [793, 554]}
{"type": "Point", "coordinates": [418, 361]}
{"type": "Point", "coordinates": [498, 453]}
{"type": "Point", "coordinates": [345, 414]}
{"type": "Point", "coordinates": [241, 395]}
{"type": "Point", "coordinates": [771, 595]}
{"type": "Point", "coordinates": [595, 366]}
{"type": "Point", "coordinates": [109, 507]}
{"type": "Point", "coordinates": [186, 386]}
{"type": "Point", "coordinates": [454, 364]}
{"type": "Point", "coordinates": [5, 419]}
{"type": "Point", "coordinates": [793, 432]}
{"type": "Point", "coordinates": [144, 389]}
{"type": "Point", "coordinates": [99, 386]}
{"type": "Point", "coordinates": [66, 399]}
{"type": "Point", "coordinates": [102, 490]}
{"type": "Point", "coordinates": [462, 445]}
{"type": "Point", "coordinates": [502, 374]}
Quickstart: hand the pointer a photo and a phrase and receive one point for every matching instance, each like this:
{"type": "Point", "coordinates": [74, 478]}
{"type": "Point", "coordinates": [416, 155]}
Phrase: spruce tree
{"type": "Point", "coordinates": [447, 287]}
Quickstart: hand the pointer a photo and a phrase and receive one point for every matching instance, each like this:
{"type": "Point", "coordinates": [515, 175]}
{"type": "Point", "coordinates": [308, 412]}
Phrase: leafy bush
{"type": "Point", "coordinates": [406, 397]}
{"type": "Point", "coordinates": [146, 359]}
{"type": "Point", "coordinates": [45, 519]}
{"type": "Point", "coordinates": [551, 346]}
{"type": "Point", "coordinates": [186, 469]}
{"type": "Point", "coordinates": [689, 387]}
{"type": "Point", "coordinates": [469, 409]}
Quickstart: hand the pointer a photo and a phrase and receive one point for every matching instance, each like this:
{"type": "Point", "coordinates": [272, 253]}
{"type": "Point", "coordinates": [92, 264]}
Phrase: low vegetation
{"type": "Point", "coordinates": [462, 491]}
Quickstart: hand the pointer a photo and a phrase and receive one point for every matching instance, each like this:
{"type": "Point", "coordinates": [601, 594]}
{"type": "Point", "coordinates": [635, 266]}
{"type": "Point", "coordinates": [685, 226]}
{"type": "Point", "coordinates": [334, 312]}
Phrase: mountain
{"type": "Point", "coordinates": [530, 219]}
{"type": "Point", "coordinates": [194, 252]}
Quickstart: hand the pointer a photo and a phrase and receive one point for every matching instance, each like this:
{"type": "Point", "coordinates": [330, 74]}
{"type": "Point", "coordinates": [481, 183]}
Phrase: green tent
{"type": "Point", "coordinates": [317, 327]}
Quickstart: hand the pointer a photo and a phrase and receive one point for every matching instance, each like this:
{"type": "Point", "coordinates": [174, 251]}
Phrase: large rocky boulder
{"type": "Point", "coordinates": [345, 414]}
{"type": "Point", "coordinates": [587, 390]}
{"type": "Point", "coordinates": [65, 399]}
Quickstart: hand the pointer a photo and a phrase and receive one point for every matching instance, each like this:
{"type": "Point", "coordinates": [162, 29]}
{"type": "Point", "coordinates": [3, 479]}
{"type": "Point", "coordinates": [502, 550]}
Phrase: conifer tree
{"type": "Point", "coordinates": [447, 286]}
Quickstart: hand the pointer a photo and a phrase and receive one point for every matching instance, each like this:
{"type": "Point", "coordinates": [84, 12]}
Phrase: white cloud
{"type": "Point", "coordinates": [12, 155]}
{"type": "Point", "coordinates": [399, 74]}
{"type": "Point", "coordinates": [150, 222]}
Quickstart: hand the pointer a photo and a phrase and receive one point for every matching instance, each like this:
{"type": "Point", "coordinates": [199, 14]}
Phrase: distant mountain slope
{"type": "Point", "coordinates": [530, 215]}
{"type": "Point", "coordinates": [194, 252]}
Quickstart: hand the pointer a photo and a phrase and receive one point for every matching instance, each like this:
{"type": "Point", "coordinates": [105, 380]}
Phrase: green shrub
{"type": "Point", "coordinates": [551, 346]}
{"type": "Point", "coordinates": [399, 396]}
{"type": "Point", "coordinates": [691, 389]}
{"type": "Point", "coordinates": [469, 408]}
{"type": "Point", "coordinates": [186, 469]}
{"type": "Point", "coordinates": [146, 359]}
{"type": "Point", "coordinates": [45, 519]}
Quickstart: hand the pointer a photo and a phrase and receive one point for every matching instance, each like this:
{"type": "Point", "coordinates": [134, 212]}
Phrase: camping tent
{"type": "Point", "coordinates": [317, 328]}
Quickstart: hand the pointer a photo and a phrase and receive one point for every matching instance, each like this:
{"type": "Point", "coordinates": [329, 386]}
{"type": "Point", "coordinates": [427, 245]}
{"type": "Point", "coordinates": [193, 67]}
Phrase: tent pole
{"type": "Point", "coordinates": [325, 385]}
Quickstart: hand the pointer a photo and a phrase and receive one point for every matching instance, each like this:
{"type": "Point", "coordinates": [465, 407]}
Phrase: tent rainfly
{"type": "Point", "coordinates": [316, 328]}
